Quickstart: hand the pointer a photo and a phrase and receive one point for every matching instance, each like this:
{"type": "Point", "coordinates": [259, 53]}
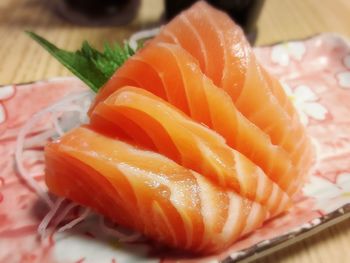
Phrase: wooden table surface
{"type": "Point", "coordinates": [22, 60]}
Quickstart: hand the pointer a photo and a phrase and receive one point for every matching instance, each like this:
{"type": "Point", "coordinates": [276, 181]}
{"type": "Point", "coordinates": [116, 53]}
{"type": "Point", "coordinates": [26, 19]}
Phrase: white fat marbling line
{"type": "Point", "coordinates": [197, 36]}
{"type": "Point", "coordinates": [240, 171]}
{"type": "Point", "coordinates": [273, 196]}
{"type": "Point", "coordinates": [158, 210]}
{"type": "Point", "coordinates": [262, 183]}
{"type": "Point", "coordinates": [282, 203]}
{"type": "Point", "coordinates": [251, 218]}
{"type": "Point", "coordinates": [209, 208]}
{"type": "Point", "coordinates": [215, 161]}
{"type": "Point", "coordinates": [166, 32]}
{"type": "Point", "coordinates": [230, 230]}
{"type": "Point", "coordinates": [178, 196]}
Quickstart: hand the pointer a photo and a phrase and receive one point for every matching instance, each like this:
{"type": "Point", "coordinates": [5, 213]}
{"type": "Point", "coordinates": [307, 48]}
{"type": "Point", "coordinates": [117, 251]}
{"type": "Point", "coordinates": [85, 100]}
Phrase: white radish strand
{"type": "Point", "coordinates": [75, 221]}
{"type": "Point", "coordinates": [64, 213]}
{"type": "Point", "coordinates": [55, 110]}
{"type": "Point", "coordinates": [38, 140]}
{"type": "Point", "coordinates": [31, 182]}
{"type": "Point", "coordinates": [117, 234]}
{"type": "Point", "coordinates": [144, 34]}
{"type": "Point", "coordinates": [47, 219]}
{"type": "Point", "coordinates": [65, 117]}
{"type": "Point", "coordinates": [56, 124]}
{"type": "Point", "coordinates": [62, 121]}
{"type": "Point", "coordinates": [25, 130]}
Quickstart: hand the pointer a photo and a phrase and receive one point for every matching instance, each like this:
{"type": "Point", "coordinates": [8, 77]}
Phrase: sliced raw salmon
{"type": "Point", "coordinates": [225, 56]}
{"type": "Point", "coordinates": [148, 192]}
{"type": "Point", "coordinates": [188, 143]}
{"type": "Point", "coordinates": [170, 68]}
{"type": "Point", "coordinates": [191, 142]}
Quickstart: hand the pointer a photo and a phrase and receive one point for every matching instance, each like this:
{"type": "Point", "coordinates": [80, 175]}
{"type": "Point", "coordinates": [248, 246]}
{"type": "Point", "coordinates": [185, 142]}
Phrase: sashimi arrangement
{"type": "Point", "coordinates": [189, 141]}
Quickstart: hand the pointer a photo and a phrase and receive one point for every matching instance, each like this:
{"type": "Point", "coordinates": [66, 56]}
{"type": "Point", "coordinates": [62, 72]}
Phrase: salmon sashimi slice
{"type": "Point", "coordinates": [197, 32]}
{"type": "Point", "coordinates": [284, 130]}
{"type": "Point", "coordinates": [223, 45]}
{"type": "Point", "coordinates": [196, 147]}
{"type": "Point", "coordinates": [148, 192]}
{"type": "Point", "coordinates": [171, 67]}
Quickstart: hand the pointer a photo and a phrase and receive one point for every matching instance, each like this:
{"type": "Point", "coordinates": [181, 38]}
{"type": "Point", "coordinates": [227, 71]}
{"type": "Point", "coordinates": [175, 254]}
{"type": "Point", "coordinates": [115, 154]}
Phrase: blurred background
{"type": "Point", "coordinates": [68, 22]}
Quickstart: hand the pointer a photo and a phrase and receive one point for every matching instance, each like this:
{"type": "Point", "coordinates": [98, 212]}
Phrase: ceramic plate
{"type": "Point", "coordinates": [316, 76]}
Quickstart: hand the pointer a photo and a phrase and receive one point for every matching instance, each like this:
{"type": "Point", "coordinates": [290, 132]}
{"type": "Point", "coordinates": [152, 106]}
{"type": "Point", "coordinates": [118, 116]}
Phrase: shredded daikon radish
{"type": "Point", "coordinates": [38, 140]}
{"type": "Point", "coordinates": [75, 221]}
{"type": "Point", "coordinates": [144, 34]}
{"type": "Point", "coordinates": [36, 174]}
{"type": "Point", "coordinates": [122, 237]}
{"type": "Point", "coordinates": [26, 129]}
{"type": "Point", "coordinates": [64, 115]}
{"type": "Point", "coordinates": [56, 124]}
{"type": "Point", "coordinates": [47, 219]}
{"type": "Point", "coordinates": [64, 213]}
{"type": "Point", "coordinates": [62, 119]}
{"type": "Point", "coordinates": [22, 171]}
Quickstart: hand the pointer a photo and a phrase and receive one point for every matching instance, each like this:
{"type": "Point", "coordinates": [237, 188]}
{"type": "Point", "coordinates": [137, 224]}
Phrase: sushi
{"type": "Point", "coordinates": [191, 142]}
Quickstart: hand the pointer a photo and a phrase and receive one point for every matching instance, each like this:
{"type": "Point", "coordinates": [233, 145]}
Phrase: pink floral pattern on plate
{"type": "Point", "coordinates": [316, 76]}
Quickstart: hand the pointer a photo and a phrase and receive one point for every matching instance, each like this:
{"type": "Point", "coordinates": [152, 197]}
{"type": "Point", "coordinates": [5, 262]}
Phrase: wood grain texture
{"type": "Point", "coordinates": [22, 60]}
